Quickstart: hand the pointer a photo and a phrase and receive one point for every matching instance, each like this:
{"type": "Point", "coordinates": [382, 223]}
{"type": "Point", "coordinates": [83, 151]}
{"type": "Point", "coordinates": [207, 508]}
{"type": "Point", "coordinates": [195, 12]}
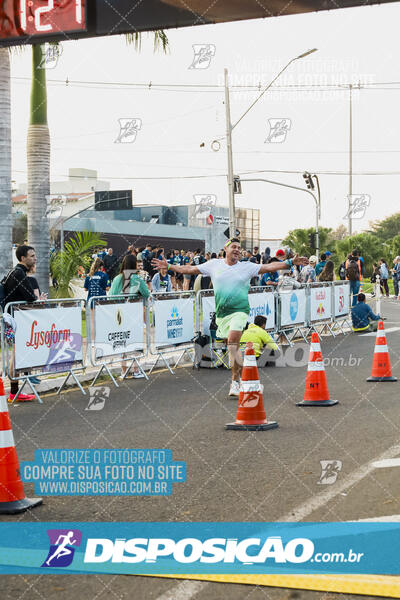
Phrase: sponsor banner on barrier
{"type": "Point", "coordinates": [207, 310]}
{"type": "Point", "coordinates": [119, 328]}
{"type": "Point", "coordinates": [293, 307]}
{"type": "Point", "coordinates": [320, 303]}
{"type": "Point", "coordinates": [48, 337]}
{"type": "Point", "coordinates": [263, 304]}
{"type": "Point", "coordinates": [341, 300]}
{"type": "Point", "coordinates": [174, 321]}
{"type": "Point", "coordinates": [185, 548]}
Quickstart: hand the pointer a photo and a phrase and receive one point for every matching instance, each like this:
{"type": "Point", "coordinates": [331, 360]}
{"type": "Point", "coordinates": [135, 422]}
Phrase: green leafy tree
{"type": "Point", "coordinates": [77, 253]}
{"type": "Point", "coordinates": [298, 239]}
{"type": "Point", "coordinates": [368, 244]}
{"type": "Point", "coordinates": [387, 229]}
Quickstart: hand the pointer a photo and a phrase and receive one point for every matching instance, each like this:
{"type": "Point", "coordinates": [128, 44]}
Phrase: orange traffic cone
{"type": "Point", "coordinates": [381, 369]}
{"type": "Point", "coordinates": [251, 413]}
{"type": "Point", "coordinates": [316, 392]}
{"type": "Point", "coordinates": [12, 496]}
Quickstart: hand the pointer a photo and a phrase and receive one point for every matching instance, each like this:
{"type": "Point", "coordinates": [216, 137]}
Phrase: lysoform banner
{"type": "Point", "coordinates": [119, 328]}
{"type": "Point", "coordinates": [174, 321]}
{"type": "Point", "coordinates": [293, 307]}
{"type": "Point", "coordinates": [48, 337]}
{"type": "Point", "coordinates": [320, 303]}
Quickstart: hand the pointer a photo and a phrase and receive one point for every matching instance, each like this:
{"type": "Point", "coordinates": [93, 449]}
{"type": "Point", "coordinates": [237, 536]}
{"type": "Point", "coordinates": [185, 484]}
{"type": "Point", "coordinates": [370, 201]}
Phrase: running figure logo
{"type": "Point", "coordinates": [278, 129]}
{"type": "Point", "coordinates": [329, 471]}
{"type": "Point", "coordinates": [62, 542]}
{"type": "Point", "coordinates": [203, 53]}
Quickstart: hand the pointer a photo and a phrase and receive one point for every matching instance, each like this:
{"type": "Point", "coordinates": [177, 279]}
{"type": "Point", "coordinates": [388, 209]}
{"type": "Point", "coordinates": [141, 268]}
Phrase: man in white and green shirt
{"type": "Point", "coordinates": [231, 282]}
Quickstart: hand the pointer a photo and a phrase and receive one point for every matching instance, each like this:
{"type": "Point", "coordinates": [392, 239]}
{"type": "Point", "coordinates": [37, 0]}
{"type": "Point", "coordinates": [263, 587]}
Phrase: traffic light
{"type": "Point", "coordinates": [226, 233]}
{"type": "Point", "coordinates": [308, 180]}
{"type": "Point", "coordinates": [311, 240]}
{"type": "Point", "coordinates": [237, 185]}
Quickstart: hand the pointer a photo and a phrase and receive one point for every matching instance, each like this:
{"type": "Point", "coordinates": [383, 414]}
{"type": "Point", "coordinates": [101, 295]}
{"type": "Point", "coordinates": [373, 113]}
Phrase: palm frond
{"type": "Point", "coordinates": [160, 40]}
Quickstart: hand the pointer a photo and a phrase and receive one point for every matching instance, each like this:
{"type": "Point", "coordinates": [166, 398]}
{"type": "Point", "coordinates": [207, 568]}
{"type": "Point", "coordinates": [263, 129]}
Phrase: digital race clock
{"type": "Point", "coordinates": [21, 19]}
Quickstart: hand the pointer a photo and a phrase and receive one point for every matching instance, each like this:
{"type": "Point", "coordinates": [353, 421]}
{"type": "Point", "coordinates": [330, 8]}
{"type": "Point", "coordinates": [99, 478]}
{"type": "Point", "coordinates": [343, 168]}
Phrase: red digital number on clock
{"type": "Point", "coordinates": [40, 17]}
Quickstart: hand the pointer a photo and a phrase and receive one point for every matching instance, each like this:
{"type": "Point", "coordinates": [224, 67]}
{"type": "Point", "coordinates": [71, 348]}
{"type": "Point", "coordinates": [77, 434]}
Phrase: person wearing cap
{"type": "Point", "coordinates": [231, 282]}
{"type": "Point", "coordinates": [362, 317]}
{"type": "Point", "coordinates": [308, 274]}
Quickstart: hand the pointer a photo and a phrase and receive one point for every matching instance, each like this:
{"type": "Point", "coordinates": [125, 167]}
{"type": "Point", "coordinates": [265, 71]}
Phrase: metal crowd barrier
{"type": "Point", "coordinates": [173, 319]}
{"type": "Point", "coordinates": [115, 331]}
{"type": "Point", "coordinates": [292, 313]}
{"type": "Point", "coordinates": [319, 307]}
{"type": "Point", "coordinates": [48, 340]}
{"type": "Point", "coordinates": [49, 333]}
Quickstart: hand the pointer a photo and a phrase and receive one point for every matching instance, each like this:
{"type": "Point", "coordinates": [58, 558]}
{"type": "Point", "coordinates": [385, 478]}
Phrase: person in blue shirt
{"type": "Point", "coordinates": [161, 281]}
{"type": "Point", "coordinates": [96, 282]}
{"type": "Point", "coordinates": [320, 266]}
{"type": "Point", "coordinates": [271, 278]}
{"type": "Point", "coordinates": [362, 317]}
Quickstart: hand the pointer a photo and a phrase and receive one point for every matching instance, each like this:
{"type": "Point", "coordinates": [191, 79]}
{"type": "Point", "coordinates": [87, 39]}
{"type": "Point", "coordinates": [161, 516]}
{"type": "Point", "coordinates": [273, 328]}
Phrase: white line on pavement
{"type": "Point", "coordinates": [305, 509]}
{"type": "Point", "coordinates": [184, 590]}
{"type": "Point", "coordinates": [388, 330]}
{"type": "Point", "coordinates": [389, 462]}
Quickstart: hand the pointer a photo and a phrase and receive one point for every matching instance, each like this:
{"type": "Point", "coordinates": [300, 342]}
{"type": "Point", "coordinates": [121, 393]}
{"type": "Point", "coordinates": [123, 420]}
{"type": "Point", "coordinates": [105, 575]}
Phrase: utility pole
{"type": "Point", "coordinates": [350, 206]}
{"type": "Point", "coordinates": [232, 220]}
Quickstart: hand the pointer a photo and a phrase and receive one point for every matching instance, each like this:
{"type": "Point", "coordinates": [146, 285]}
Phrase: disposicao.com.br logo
{"type": "Point", "coordinates": [248, 551]}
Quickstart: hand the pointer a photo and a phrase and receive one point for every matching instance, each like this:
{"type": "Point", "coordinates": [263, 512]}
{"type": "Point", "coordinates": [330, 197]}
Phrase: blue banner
{"type": "Point", "coordinates": [184, 548]}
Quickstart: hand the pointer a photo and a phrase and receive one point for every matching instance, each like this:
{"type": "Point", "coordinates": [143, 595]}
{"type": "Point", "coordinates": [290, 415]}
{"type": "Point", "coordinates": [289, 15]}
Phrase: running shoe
{"type": "Point", "coordinates": [234, 389]}
{"type": "Point", "coordinates": [22, 398]}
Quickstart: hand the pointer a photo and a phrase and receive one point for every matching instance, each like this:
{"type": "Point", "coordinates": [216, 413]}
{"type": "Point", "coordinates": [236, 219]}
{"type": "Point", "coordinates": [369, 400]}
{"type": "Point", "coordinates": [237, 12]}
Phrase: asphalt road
{"type": "Point", "coordinates": [231, 475]}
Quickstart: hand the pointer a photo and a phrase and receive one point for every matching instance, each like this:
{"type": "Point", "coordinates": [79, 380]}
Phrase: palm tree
{"type": "Point", "coordinates": [77, 253]}
{"type": "Point", "coordinates": [5, 164]}
{"type": "Point", "coordinates": [38, 155]}
{"type": "Point", "coordinates": [38, 159]}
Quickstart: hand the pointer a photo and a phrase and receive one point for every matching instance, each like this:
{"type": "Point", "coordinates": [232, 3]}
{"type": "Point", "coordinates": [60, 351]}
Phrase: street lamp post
{"type": "Point", "coordinates": [350, 206]}
{"type": "Point", "coordinates": [230, 128]}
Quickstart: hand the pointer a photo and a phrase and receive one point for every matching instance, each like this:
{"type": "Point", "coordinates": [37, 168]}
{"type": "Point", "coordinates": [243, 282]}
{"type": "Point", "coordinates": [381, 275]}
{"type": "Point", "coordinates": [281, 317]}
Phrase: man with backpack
{"type": "Point", "coordinates": [353, 274]}
{"type": "Point", "coordinates": [16, 287]}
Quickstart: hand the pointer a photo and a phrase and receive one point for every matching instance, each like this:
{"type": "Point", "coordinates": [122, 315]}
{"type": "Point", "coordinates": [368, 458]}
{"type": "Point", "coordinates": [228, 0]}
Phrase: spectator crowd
{"type": "Point", "coordinates": [106, 266]}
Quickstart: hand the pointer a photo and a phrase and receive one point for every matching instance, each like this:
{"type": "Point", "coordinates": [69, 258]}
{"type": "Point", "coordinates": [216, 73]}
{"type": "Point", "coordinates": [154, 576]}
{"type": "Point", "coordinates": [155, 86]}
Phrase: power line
{"type": "Point", "coordinates": [217, 87]}
{"type": "Point", "coordinates": [211, 176]}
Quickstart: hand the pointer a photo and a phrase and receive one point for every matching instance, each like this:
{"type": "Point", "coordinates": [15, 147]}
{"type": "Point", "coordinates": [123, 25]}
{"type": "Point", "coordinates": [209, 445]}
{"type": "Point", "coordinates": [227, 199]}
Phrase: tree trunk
{"type": "Point", "coordinates": [38, 158]}
{"type": "Point", "coordinates": [5, 164]}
